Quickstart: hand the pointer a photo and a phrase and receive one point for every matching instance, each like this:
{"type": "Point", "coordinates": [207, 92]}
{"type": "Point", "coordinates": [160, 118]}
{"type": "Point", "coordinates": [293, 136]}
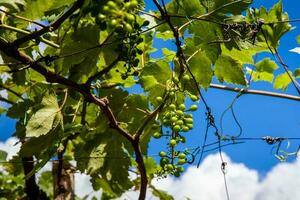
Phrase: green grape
{"type": "Point", "coordinates": [188, 120]}
{"type": "Point", "coordinates": [128, 28]}
{"type": "Point", "coordinates": [188, 115]}
{"type": "Point", "coordinates": [181, 156]}
{"type": "Point", "coordinates": [174, 119]}
{"type": "Point", "coordinates": [113, 23]}
{"type": "Point", "coordinates": [112, 5]}
{"type": "Point", "coordinates": [176, 128]}
{"type": "Point", "coordinates": [101, 16]}
{"type": "Point", "coordinates": [193, 107]}
{"type": "Point", "coordinates": [181, 107]}
{"type": "Point", "coordinates": [180, 169]}
{"type": "Point", "coordinates": [130, 17]}
{"type": "Point", "coordinates": [159, 99]}
{"type": "Point", "coordinates": [186, 78]}
{"type": "Point", "coordinates": [181, 161]}
{"type": "Point", "coordinates": [179, 112]}
{"type": "Point", "coordinates": [169, 167]}
{"type": "Point", "coordinates": [106, 9]}
{"type": "Point", "coordinates": [179, 122]}
{"type": "Point", "coordinates": [172, 106]}
{"type": "Point", "coordinates": [157, 135]}
{"type": "Point", "coordinates": [185, 128]}
{"type": "Point", "coordinates": [173, 142]}
{"type": "Point", "coordinates": [172, 94]}
{"type": "Point", "coordinates": [193, 97]}
{"type": "Point", "coordinates": [162, 154]}
{"type": "Point", "coordinates": [189, 125]}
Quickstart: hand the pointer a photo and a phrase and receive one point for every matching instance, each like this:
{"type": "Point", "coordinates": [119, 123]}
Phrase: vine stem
{"type": "Point", "coordinates": [257, 92]}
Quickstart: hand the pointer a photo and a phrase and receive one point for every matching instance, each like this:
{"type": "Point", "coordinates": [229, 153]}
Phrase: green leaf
{"type": "Point", "coordinates": [36, 9]}
{"type": "Point", "coordinates": [283, 80]}
{"type": "Point", "coordinates": [199, 64]}
{"type": "Point", "coordinates": [266, 65]}
{"type": "Point", "coordinates": [226, 6]}
{"type": "Point", "coordinates": [131, 113]}
{"type": "Point", "coordinates": [160, 71]}
{"type": "Point", "coordinates": [229, 70]}
{"type": "Point", "coordinates": [169, 55]}
{"type": "Point", "coordinates": [264, 70]}
{"type": "Point", "coordinates": [81, 66]}
{"type": "Point", "coordinates": [166, 35]}
{"type": "Point", "coordinates": [46, 183]}
{"type": "Point", "coordinates": [45, 119]}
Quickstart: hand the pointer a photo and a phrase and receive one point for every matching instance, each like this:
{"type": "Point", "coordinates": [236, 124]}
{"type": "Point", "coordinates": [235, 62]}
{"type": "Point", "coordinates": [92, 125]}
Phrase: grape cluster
{"type": "Point", "coordinates": [178, 119]}
{"type": "Point", "coordinates": [117, 15]}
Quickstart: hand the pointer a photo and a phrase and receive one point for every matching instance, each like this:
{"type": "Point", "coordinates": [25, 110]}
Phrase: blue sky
{"type": "Point", "coordinates": [259, 116]}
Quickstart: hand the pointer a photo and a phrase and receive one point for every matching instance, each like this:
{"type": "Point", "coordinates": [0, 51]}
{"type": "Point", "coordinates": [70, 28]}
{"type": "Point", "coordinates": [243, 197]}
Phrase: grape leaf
{"type": "Point", "coordinates": [282, 80]}
{"type": "Point", "coordinates": [45, 119]}
{"type": "Point", "coordinates": [229, 70]}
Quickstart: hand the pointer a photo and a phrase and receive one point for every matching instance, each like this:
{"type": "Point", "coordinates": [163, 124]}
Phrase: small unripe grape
{"type": "Point", "coordinates": [172, 94]}
{"type": "Point", "coordinates": [169, 167]}
{"type": "Point", "coordinates": [173, 142]}
{"type": "Point", "coordinates": [112, 5]}
{"type": "Point", "coordinates": [179, 112]}
{"type": "Point", "coordinates": [185, 128]}
{"type": "Point", "coordinates": [186, 78]}
{"type": "Point", "coordinates": [188, 115]}
{"type": "Point", "coordinates": [181, 156]}
{"type": "Point", "coordinates": [190, 126]}
{"type": "Point", "coordinates": [174, 119]}
{"type": "Point", "coordinates": [180, 169]}
{"type": "Point", "coordinates": [193, 107]}
{"type": "Point", "coordinates": [128, 28]}
{"type": "Point", "coordinates": [179, 122]}
{"type": "Point", "coordinates": [181, 161]}
{"type": "Point", "coordinates": [113, 23]}
{"type": "Point", "coordinates": [194, 97]}
{"type": "Point", "coordinates": [157, 135]}
{"type": "Point", "coordinates": [188, 120]}
{"type": "Point", "coordinates": [181, 107]}
{"type": "Point", "coordinates": [159, 99]}
{"type": "Point", "coordinates": [130, 17]}
{"type": "Point", "coordinates": [106, 9]}
{"type": "Point", "coordinates": [172, 106]}
{"type": "Point", "coordinates": [162, 154]}
{"type": "Point", "coordinates": [176, 128]}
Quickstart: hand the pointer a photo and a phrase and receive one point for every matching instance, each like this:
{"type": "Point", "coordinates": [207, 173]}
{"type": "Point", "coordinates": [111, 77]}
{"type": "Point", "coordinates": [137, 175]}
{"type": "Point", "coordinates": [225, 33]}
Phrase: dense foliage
{"type": "Point", "coordinates": [80, 80]}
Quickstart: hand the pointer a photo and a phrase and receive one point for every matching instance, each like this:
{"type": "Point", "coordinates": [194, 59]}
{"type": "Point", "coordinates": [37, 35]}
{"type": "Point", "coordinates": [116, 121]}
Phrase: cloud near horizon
{"type": "Point", "coordinates": [282, 182]}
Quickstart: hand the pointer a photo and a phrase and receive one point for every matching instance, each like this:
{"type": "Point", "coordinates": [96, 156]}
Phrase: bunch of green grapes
{"type": "Point", "coordinates": [178, 119]}
{"type": "Point", "coordinates": [117, 15]}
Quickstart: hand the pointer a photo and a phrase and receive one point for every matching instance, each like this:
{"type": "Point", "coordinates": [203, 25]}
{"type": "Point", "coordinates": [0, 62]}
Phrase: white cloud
{"type": "Point", "coordinates": [206, 182]}
{"type": "Point", "coordinates": [295, 50]}
{"type": "Point", "coordinates": [11, 146]}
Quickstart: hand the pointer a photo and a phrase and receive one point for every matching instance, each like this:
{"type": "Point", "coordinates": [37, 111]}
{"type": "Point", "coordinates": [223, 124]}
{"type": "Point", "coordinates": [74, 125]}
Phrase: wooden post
{"type": "Point", "coordinates": [63, 181]}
